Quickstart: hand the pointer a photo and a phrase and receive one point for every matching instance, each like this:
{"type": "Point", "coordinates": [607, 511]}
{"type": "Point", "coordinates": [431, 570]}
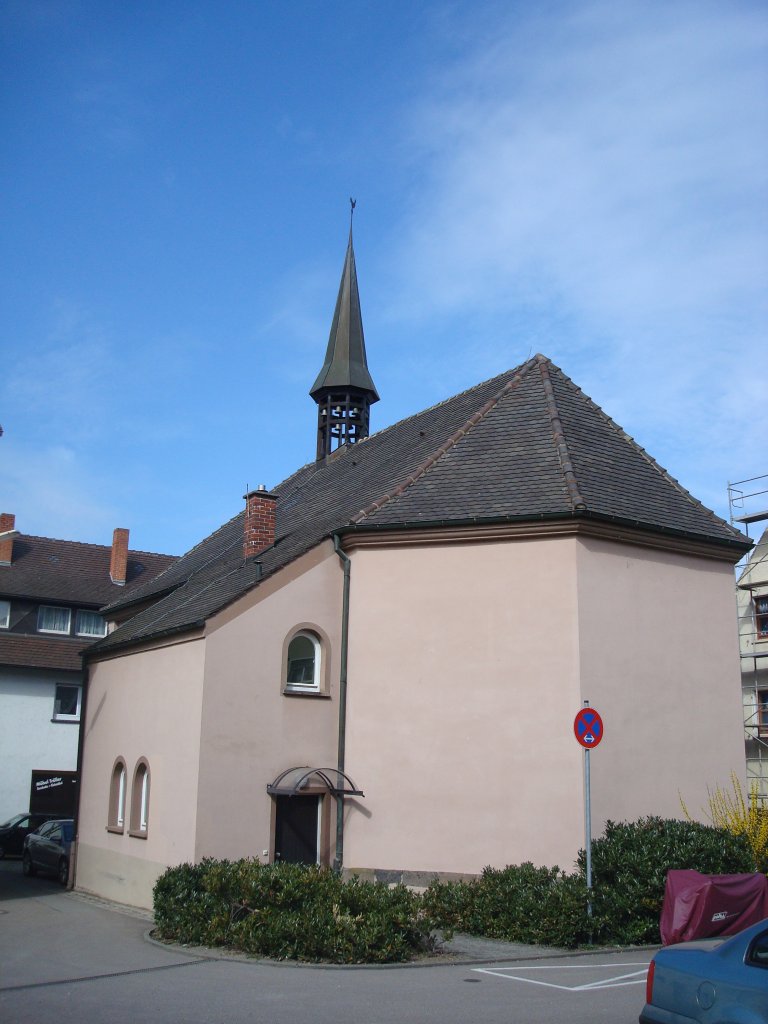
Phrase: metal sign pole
{"type": "Point", "coordinates": [588, 830]}
{"type": "Point", "coordinates": [588, 823]}
{"type": "Point", "coordinates": [588, 730]}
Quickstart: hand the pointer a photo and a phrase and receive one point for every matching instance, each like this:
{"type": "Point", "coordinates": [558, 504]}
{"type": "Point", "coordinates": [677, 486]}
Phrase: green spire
{"type": "Point", "coordinates": [345, 363]}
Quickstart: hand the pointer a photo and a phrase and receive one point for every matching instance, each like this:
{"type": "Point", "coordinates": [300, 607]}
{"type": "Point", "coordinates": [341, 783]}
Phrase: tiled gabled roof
{"type": "Point", "coordinates": [31, 651]}
{"type": "Point", "coordinates": [44, 569]}
{"type": "Point", "coordinates": [526, 445]}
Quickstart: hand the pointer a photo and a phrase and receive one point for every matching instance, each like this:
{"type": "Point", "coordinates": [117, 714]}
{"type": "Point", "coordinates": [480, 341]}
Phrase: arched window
{"type": "Point", "coordinates": [140, 799]}
{"type": "Point", "coordinates": [302, 673]}
{"type": "Point", "coordinates": [116, 819]}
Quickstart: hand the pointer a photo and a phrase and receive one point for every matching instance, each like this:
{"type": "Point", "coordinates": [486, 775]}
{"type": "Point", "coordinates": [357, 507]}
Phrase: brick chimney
{"type": "Point", "coordinates": [259, 530]}
{"type": "Point", "coordinates": [118, 565]}
{"type": "Point", "coordinates": [7, 524]}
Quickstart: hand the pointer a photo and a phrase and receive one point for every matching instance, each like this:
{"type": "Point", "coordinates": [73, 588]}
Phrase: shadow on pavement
{"type": "Point", "coordinates": [15, 886]}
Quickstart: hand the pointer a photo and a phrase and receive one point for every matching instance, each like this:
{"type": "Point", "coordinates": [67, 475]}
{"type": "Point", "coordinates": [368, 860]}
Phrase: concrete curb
{"type": "Point", "coordinates": [456, 953]}
{"type": "Point", "coordinates": [448, 959]}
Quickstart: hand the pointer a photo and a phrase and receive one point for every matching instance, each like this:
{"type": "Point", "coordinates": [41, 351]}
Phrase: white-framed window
{"type": "Point", "coordinates": [90, 624]}
{"type": "Point", "coordinates": [762, 713]}
{"type": "Point", "coordinates": [116, 819]}
{"type": "Point", "coordinates": [51, 619]}
{"type": "Point", "coordinates": [66, 704]}
{"type": "Point", "coordinates": [140, 800]}
{"type": "Point", "coordinates": [5, 614]}
{"type": "Point", "coordinates": [303, 663]}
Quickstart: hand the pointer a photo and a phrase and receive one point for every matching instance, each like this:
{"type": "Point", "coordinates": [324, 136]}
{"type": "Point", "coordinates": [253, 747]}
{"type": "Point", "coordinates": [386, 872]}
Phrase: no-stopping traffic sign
{"type": "Point", "coordinates": [588, 728]}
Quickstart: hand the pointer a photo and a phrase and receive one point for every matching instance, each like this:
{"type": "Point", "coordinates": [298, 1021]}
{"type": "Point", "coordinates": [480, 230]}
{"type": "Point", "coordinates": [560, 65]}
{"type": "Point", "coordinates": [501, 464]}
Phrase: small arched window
{"type": "Point", "coordinates": [140, 800]}
{"type": "Point", "coordinates": [116, 818]}
{"type": "Point", "coordinates": [303, 663]}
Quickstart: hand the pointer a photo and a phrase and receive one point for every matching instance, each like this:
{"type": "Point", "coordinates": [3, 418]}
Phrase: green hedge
{"type": "Point", "coordinates": [629, 869]}
{"type": "Point", "coordinates": [548, 906]}
{"type": "Point", "coordinates": [288, 911]}
{"type": "Point", "coordinates": [519, 903]}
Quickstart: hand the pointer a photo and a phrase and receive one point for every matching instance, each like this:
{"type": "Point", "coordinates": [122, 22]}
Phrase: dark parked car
{"type": "Point", "coordinates": [710, 981]}
{"type": "Point", "coordinates": [47, 849]}
{"type": "Point", "coordinates": [14, 831]}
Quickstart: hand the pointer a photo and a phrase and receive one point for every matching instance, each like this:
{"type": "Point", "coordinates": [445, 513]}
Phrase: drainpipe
{"type": "Point", "coordinates": [80, 748]}
{"type": "Point", "coordinates": [338, 861]}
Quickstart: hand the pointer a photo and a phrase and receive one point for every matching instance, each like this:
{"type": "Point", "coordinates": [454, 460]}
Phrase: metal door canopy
{"type": "Point", "coordinates": [304, 779]}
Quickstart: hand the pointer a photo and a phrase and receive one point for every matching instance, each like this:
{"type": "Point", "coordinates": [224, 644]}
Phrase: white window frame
{"type": "Point", "coordinates": [120, 815]}
{"type": "Point", "coordinates": [314, 686]}
{"type": "Point", "coordinates": [79, 631]}
{"type": "Point", "coordinates": [139, 825]}
{"type": "Point", "coordinates": [54, 608]}
{"type": "Point", "coordinates": [118, 784]}
{"type": "Point", "coordinates": [5, 614]}
{"type": "Point", "coordinates": [144, 802]}
{"type": "Point", "coordinates": [57, 715]}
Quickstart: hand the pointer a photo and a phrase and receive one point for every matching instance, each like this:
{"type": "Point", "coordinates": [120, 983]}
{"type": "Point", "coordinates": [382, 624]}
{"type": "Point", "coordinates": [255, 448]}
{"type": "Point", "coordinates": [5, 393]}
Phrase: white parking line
{"type": "Point", "coordinates": [617, 981]}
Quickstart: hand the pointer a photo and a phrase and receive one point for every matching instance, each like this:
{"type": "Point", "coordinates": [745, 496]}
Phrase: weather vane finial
{"type": "Point", "coordinates": [352, 205]}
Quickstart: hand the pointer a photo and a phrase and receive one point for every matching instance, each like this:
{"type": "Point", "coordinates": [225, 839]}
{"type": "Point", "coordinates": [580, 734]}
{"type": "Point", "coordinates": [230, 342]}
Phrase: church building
{"type": "Point", "coordinates": [376, 664]}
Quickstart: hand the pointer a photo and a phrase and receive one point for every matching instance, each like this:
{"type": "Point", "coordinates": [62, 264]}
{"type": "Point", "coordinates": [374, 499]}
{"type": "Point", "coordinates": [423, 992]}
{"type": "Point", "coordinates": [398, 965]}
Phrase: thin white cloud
{"type": "Point", "coordinates": [52, 494]}
{"type": "Point", "coordinates": [65, 383]}
{"type": "Point", "coordinates": [610, 162]}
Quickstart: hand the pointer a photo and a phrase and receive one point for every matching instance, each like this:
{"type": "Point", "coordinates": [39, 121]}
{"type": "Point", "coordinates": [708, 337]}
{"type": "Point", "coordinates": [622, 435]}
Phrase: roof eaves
{"type": "Point", "coordinates": [100, 647]}
{"type": "Point", "coordinates": [420, 470]}
{"type": "Point", "coordinates": [580, 513]}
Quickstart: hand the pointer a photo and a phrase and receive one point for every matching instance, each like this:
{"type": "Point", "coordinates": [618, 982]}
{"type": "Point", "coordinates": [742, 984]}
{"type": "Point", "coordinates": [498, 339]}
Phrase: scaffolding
{"type": "Point", "coordinates": [748, 505]}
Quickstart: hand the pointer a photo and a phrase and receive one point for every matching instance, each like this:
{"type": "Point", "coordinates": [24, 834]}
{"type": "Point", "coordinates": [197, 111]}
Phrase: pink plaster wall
{"type": "Point", "coordinates": [147, 705]}
{"type": "Point", "coordinates": [463, 684]}
{"type": "Point", "coordinates": [251, 731]}
{"type": "Point", "coordinates": [660, 662]}
{"type": "Point", "coordinates": [460, 731]}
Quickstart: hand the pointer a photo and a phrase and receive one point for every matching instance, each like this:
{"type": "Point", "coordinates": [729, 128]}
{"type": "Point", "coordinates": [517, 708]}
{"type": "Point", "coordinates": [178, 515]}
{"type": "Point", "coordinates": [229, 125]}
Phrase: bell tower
{"type": "Point", "coordinates": [344, 390]}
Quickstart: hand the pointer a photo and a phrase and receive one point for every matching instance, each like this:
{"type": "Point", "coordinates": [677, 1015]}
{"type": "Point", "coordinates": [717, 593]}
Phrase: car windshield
{"type": "Point", "coordinates": [14, 820]}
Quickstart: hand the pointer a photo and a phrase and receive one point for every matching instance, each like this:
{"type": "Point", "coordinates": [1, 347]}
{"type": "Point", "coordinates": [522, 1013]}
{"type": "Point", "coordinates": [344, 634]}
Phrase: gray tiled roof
{"type": "Point", "coordinates": [527, 444]}
{"type": "Point", "coordinates": [32, 651]}
{"type": "Point", "coordinates": [71, 572]}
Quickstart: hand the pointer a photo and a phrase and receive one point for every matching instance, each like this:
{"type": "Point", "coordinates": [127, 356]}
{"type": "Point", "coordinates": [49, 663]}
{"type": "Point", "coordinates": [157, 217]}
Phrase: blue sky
{"type": "Point", "coordinates": [587, 179]}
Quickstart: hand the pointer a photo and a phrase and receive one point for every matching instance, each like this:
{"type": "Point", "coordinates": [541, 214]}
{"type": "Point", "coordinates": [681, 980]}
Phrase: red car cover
{"type": "Point", "coordinates": [700, 906]}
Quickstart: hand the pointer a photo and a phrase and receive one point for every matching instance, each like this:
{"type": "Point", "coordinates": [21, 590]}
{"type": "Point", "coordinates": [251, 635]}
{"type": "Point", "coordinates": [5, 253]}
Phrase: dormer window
{"type": "Point", "coordinates": [5, 614]}
{"type": "Point", "coordinates": [54, 620]}
{"type": "Point", "coordinates": [90, 624]}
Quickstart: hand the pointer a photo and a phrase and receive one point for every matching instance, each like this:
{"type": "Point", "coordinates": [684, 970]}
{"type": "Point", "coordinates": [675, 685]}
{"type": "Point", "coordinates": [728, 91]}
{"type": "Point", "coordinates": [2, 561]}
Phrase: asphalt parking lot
{"type": "Point", "coordinates": [68, 958]}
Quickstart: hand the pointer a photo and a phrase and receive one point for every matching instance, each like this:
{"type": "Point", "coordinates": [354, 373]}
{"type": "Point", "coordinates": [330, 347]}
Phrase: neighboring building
{"type": "Point", "coordinates": [377, 664]}
{"type": "Point", "coordinates": [50, 595]}
{"type": "Point", "coordinates": [752, 598]}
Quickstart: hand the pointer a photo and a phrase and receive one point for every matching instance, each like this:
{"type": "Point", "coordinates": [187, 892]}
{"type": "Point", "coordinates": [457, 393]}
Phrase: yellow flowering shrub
{"type": "Point", "coordinates": [741, 814]}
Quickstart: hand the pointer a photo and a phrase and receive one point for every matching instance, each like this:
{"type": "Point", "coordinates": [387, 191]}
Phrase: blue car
{"type": "Point", "coordinates": [712, 981]}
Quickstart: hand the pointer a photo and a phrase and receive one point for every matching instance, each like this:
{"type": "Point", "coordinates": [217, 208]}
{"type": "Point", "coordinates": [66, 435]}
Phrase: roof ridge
{"type": "Point", "coordinates": [431, 408]}
{"type": "Point", "coordinates": [558, 436]}
{"type": "Point", "coordinates": [90, 544]}
{"type": "Point", "coordinates": [475, 418]}
{"type": "Point", "coordinates": [139, 593]}
{"type": "Point", "coordinates": [643, 453]}
{"type": "Point", "coordinates": [165, 613]}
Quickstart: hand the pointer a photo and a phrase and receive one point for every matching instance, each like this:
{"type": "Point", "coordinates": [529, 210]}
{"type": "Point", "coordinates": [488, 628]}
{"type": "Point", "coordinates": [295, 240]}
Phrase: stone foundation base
{"type": "Point", "coordinates": [413, 879]}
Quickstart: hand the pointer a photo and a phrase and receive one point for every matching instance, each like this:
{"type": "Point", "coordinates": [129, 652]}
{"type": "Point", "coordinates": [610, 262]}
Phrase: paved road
{"type": "Point", "coordinates": [68, 959]}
